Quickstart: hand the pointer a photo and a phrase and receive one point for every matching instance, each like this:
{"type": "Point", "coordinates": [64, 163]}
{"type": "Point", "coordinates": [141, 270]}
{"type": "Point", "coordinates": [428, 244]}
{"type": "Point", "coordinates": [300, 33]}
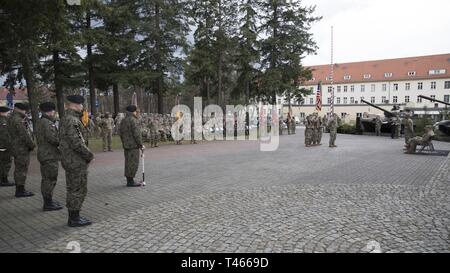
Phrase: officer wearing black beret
{"type": "Point", "coordinates": [48, 154]}
{"type": "Point", "coordinates": [5, 149]}
{"type": "Point", "coordinates": [75, 159]}
{"type": "Point", "coordinates": [21, 146]}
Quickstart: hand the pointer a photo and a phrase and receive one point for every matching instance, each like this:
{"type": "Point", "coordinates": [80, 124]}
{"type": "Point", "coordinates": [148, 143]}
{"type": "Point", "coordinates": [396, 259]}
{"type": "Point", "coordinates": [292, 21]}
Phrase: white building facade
{"type": "Point", "coordinates": [384, 83]}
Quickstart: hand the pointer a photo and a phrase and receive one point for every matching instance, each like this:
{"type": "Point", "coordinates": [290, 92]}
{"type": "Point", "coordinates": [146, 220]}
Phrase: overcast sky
{"type": "Point", "coordinates": [380, 29]}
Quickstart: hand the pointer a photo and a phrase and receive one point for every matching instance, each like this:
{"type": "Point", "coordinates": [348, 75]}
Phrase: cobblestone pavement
{"type": "Point", "coordinates": [230, 197]}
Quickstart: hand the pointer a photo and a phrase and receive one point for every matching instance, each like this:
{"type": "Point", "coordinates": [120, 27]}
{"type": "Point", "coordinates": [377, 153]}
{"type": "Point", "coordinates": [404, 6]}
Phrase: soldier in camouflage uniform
{"type": "Point", "coordinates": [320, 131]}
{"type": "Point", "coordinates": [332, 126]}
{"type": "Point", "coordinates": [107, 126]}
{"type": "Point", "coordinates": [409, 128]}
{"type": "Point", "coordinates": [75, 159]}
{"type": "Point", "coordinates": [21, 146]}
{"type": "Point", "coordinates": [378, 126]}
{"type": "Point", "coordinates": [5, 153]}
{"type": "Point", "coordinates": [48, 154]}
{"type": "Point", "coordinates": [154, 134]}
{"type": "Point", "coordinates": [293, 125]}
{"type": "Point", "coordinates": [308, 131]}
{"type": "Point", "coordinates": [130, 134]}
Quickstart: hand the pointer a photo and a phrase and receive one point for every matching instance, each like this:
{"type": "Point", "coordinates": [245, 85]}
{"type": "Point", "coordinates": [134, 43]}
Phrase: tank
{"type": "Point", "coordinates": [444, 125]}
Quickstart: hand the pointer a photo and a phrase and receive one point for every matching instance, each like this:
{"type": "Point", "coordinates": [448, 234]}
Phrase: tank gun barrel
{"type": "Point", "coordinates": [386, 112]}
{"type": "Point", "coordinates": [434, 100]}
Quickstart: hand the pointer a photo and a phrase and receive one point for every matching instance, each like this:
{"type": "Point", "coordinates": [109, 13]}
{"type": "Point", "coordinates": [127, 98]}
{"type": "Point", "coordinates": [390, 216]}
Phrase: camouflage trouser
{"type": "Point", "coordinates": [408, 136]}
{"type": "Point", "coordinates": [21, 164]}
{"type": "Point", "coordinates": [76, 183]}
{"type": "Point", "coordinates": [319, 136]}
{"type": "Point", "coordinates": [5, 164]}
{"type": "Point", "coordinates": [308, 136]}
{"type": "Point", "coordinates": [49, 173]}
{"type": "Point", "coordinates": [333, 134]}
{"type": "Point", "coordinates": [107, 139]}
{"type": "Point", "coordinates": [131, 162]}
{"type": "Point", "coordinates": [154, 138]}
{"type": "Point", "coordinates": [378, 131]}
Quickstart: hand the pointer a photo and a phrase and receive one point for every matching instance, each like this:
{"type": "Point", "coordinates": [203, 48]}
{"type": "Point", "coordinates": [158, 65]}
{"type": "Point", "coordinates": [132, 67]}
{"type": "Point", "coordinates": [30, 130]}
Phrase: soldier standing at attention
{"type": "Point", "coordinates": [378, 126]}
{"type": "Point", "coordinates": [107, 126]}
{"type": "Point", "coordinates": [409, 128]}
{"type": "Point", "coordinates": [154, 134]}
{"type": "Point", "coordinates": [48, 154]}
{"type": "Point", "coordinates": [308, 131]}
{"type": "Point", "coordinates": [75, 159]}
{"type": "Point", "coordinates": [21, 146]}
{"type": "Point", "coordinates": [320, 132]}
{"type": "Point", "coordinates": [5, 148]}
{"type": "Point", "coordinates": [131, 137]}
{"type": "Point", "coordinates": [332, 126]}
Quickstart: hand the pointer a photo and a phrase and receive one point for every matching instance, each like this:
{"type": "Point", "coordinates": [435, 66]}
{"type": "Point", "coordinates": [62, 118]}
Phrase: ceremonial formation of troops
{"type": "Point", "coordinates": [315, 127]}
{"type": "Point", "coordinates": [66, 141]}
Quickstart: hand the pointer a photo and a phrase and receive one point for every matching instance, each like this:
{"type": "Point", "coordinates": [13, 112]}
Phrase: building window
{"type": "Point", "coordinates": [412, 73]}
{"type": "Point", "coordinates": [420, 86]}
{"type": "Point", "coordinates": [339, 89]}
{"type": "Point", "coordinates": [406, 99]}
{"type": "Point", "coordinates": [352, 100]}
{"type": "Point", "coordinates": [363, 88]}
{"type": "Point", "coordinates": [388, 75]}
{"type": "Point", "coordinates": [372, 87]}
{"type": "Point", "coordinates": [433, 85]}
{"type": "Point", "coordinates": [302, 115]}
{"type": "Point", "coordinates": [433, 97]}
{"type": "Point", "coordinates": [437, 72]}
{"type": "Point", "coordinates": [419, 100]}
{"type": "Point", "coordinates": [311, 101]}
{"type": "Point", "coordinates": [338, 100]}
{"type": "Point", "coordinates": [345, 89]}
{"type": "Point", "coordinates": [384, 87]}
{"type": "Point", "coordinates": [345, 101]}
{"type": "Point", "coordinates": [359, 115]}
{"type": "Point", "coordinates": [352, 88]}
{"type": "Point", "coordinates": [367, 76]}
{"type": "Point", "coordinates": [395, 99]}
{"type": "Point", "coordinates": [362, 98]}
{"type": "Point", "coordinates": [407, 86]}
{"type": "Point", "coordinates": [372, 100]}
{"type": "Point", "coordinates": [329, 100]}
{"type": "Point", "coordinates": [447, 98]}
{"type": "Point", "coordinates": [343, 115]}
{"type": "Point", "coordinates": [347, 77]}
{"type": "Point", "coordinates": [330, 89]}
{"type": "Point", "coordinates": [395, 86]}
{"type": "Point", "coordinates": [383, 99]}
{"type": "Point", "coordinates": [447, 85]}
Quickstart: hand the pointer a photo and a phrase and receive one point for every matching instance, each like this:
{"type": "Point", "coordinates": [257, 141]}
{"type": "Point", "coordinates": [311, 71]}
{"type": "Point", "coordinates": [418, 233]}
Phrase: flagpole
{"type": "Point", "coordinates": [332, 72]}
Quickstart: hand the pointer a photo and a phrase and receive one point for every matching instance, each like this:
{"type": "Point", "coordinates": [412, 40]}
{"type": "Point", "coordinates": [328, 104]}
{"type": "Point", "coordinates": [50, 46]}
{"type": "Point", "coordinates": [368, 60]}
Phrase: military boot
{"type": "Point", "coordinates": [132, 183]}
{"type": "Point", "coordinates": [5, 183]}
{"type": "Point", "coordinates": [76, 221]}
{"type": "Point", "coordinates": [21, 192]}
{"type": "Point", "coordinates": [50, 205]}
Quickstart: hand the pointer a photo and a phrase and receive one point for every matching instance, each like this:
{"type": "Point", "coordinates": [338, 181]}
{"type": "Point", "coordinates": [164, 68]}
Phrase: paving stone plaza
{"type": "Point", "coordinates": [364, 196]}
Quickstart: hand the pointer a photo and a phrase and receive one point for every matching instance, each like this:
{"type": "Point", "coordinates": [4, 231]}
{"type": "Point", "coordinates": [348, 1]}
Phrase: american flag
{"type": "Point", "coordinates": [319, 97]}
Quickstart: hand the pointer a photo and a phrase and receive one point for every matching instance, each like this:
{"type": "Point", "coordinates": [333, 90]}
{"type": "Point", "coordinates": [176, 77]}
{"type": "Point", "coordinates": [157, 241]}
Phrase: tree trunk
{"type": "Point", "coordinates": [116, 98]}
{"type": "Point", "coordinates": [92, 93]}
{"type": "Point", "coordinates": [274, 57]}
{"type": "Point", "coordinates": [159, 81]}
{"type": "Point", "coordinates": [58, 85]}
{"type": "Point", "coordinates": [27, 66]}
{"type": "Point", "coordinates": [221, 94]}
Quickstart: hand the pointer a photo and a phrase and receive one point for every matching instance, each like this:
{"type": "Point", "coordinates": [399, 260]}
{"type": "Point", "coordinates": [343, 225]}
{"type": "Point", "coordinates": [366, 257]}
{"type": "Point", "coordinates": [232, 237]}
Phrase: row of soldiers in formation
{"type": "Point", "coordinates": [154, 128]}
{"type": "Point", "coordinates": [64, 141]}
